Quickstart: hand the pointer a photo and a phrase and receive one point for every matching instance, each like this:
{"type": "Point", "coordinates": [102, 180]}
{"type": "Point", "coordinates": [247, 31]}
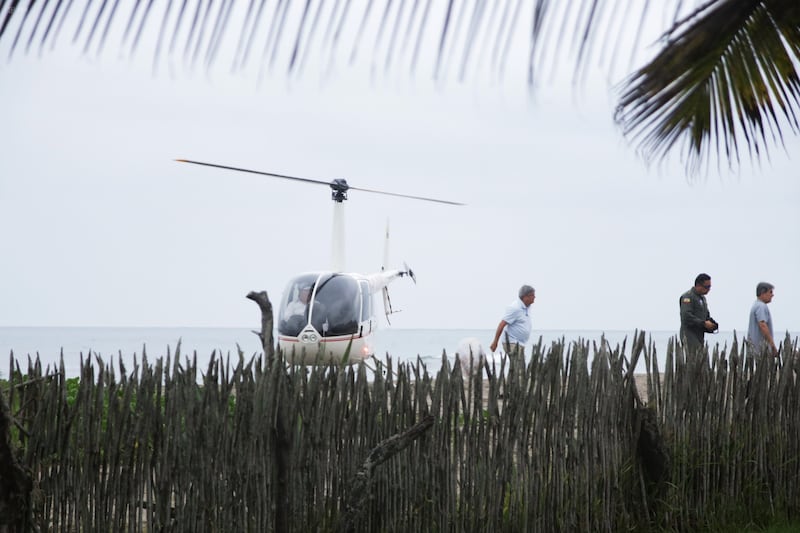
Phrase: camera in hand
{"type": "Point", "coordinates": [715, 327]}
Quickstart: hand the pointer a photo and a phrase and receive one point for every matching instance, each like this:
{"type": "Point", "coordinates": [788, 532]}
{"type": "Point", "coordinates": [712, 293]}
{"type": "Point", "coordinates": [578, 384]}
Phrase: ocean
{"type": "Point", "coordinates": [127, 343]}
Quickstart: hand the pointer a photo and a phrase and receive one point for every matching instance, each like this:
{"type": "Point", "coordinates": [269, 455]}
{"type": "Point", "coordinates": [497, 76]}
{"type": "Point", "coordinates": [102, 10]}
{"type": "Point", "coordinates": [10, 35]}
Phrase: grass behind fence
{"type": "Point", "coordinates": [560, 442]}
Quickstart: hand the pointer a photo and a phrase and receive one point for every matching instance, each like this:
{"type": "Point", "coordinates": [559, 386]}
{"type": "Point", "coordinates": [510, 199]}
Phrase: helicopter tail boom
{"type": "Point", "coordinates": [380, 281]}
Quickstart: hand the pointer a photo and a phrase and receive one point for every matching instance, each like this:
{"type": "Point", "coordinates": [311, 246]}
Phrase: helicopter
{"type": "Point", "coordinates": [328, 316]}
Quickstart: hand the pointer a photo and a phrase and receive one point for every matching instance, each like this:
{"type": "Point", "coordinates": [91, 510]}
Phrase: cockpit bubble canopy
{"type": "Point", "coordinates": [333, 303]}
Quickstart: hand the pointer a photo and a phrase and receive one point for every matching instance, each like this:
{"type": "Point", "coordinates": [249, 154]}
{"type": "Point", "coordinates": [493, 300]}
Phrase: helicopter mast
{"type": "Point", "coordinates": [337, 238]}
{"type": "Point", "coordinates": [339, 189]}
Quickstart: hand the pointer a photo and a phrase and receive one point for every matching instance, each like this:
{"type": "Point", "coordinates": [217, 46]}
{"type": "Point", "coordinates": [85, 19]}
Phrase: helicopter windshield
{"type": "Point", "coordinates": [329, 302]}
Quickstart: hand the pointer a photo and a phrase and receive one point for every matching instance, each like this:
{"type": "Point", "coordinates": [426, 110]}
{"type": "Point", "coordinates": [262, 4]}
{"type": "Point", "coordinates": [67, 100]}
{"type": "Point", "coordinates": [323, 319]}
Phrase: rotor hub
{"type": "Point", "coordinates": [339, 188]}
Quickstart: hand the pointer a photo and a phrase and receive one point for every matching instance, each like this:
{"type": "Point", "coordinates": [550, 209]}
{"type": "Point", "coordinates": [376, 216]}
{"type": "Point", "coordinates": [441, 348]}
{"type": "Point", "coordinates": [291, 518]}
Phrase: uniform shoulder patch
{"type": "Point", "coordinates": [687, 300]}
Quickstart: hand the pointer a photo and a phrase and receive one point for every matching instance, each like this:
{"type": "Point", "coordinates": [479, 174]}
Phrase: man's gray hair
{"type": "Point", "coordinates": [763, 287]}
{"type": "Point", "coordinates": [525, 290]}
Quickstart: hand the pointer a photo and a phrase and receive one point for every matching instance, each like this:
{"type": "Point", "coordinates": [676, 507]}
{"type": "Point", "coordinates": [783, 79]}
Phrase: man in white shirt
{"type": "Point", "coordinates": [298, 306]}
{"type": "Point", "coordinates": [516, 324]}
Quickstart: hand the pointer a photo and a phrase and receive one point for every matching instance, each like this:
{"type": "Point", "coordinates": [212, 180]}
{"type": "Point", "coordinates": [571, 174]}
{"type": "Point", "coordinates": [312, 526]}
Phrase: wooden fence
{"type": "Point", "coordinates": [561, 443]}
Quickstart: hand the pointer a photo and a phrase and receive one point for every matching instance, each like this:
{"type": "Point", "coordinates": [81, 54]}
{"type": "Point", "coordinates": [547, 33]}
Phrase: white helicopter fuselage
{"type": "Point", "coordinates": [328, 317]}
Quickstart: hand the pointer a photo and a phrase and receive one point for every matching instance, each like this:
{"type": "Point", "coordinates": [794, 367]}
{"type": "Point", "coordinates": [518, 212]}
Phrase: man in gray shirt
{"type": "Point", "coordinates": [759, 329]}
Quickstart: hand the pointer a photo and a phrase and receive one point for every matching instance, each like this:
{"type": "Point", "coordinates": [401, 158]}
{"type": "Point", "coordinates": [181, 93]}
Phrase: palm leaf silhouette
{"type": "Point", "coordinates": [725, 76]}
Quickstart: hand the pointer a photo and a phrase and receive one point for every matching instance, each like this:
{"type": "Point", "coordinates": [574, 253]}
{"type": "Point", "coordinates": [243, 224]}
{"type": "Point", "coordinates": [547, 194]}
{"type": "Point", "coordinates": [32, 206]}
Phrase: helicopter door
{"type": "Point", "coordinates": [366, 305]}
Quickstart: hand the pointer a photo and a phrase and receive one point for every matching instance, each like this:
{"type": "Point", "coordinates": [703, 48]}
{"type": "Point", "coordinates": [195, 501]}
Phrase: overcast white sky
{"type": "Point", "coordinates": [99, 227]}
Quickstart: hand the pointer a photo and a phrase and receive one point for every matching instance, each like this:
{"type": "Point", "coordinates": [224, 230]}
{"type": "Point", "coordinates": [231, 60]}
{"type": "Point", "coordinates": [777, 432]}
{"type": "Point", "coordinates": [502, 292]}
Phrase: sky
{"type": "Point", "coordinates": [100, 226]}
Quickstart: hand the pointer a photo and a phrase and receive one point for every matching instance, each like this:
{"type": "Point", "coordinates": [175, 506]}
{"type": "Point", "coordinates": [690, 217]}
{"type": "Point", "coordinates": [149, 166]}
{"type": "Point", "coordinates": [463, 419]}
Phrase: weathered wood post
{"type": "Point", "coordinates": [15, 483]}
{"type": "Point", "coordinates": [267, 341]}
{"type": "Point", "coordinates": [281, 442]}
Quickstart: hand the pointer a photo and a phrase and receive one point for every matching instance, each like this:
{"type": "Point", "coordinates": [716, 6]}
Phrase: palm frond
{"type": "Point", "coordinates": [725, 78]}
{"type": "Point", "coordinates": [453, 35]}
{"type": "Point", "coordinates": [727, 73]}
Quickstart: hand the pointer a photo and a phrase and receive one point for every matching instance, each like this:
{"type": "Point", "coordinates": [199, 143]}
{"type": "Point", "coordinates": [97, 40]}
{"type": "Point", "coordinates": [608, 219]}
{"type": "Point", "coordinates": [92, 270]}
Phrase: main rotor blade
{"type": "Point", "coordinates": [272, 174]}
{"type": "Point", "coordinates": [407, 196]}
{"type": "Point", "coordinates": [319, 182]}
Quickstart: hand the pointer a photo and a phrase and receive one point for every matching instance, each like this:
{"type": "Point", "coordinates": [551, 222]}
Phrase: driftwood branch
{"type": "Point", "coordinates": [267, 341]}
{"type": "Point", "coordinates": [380, 454]}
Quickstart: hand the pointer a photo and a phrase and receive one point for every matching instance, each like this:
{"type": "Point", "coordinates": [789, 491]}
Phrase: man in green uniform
{"type": "Point", "coordinates": [696, 321]}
